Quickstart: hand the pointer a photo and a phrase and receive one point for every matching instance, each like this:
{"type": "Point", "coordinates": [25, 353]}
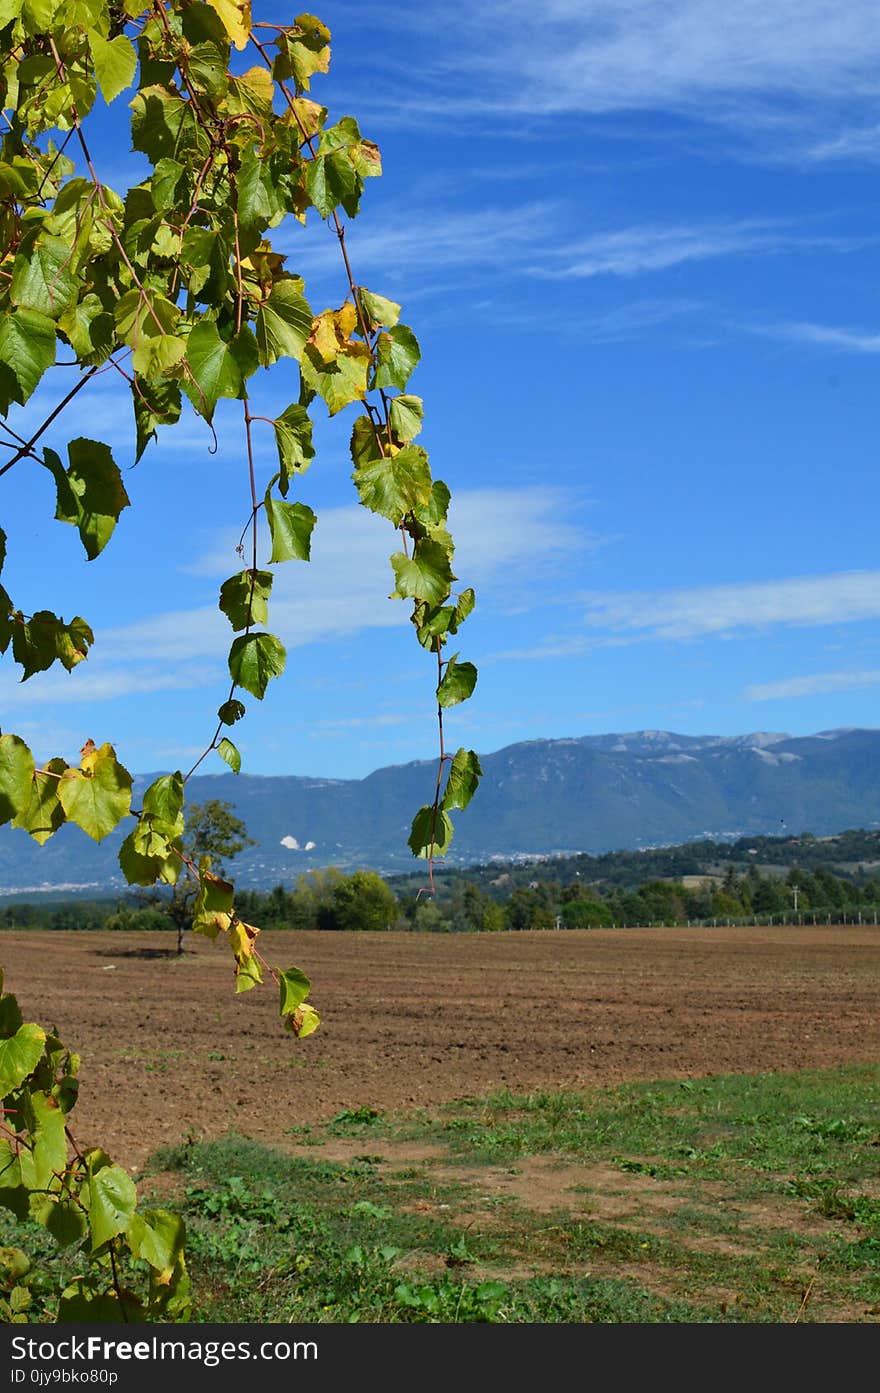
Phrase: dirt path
{"type": "Point", "coordinates": [413, 1020]}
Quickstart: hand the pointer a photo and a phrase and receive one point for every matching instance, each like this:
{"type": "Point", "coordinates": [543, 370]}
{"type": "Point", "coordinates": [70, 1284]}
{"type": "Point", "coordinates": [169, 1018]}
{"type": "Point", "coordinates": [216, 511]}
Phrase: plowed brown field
{"type": "Point", "coordinates": [414, 1020]}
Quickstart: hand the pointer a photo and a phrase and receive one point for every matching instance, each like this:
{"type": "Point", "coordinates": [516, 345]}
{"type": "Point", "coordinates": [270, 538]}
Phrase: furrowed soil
{"type": "Point", "coordinates": [169, 1051]}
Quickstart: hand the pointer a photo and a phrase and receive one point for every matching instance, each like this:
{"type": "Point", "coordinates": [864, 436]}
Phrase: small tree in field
{"type": "Point", "coordinates": [212, 830]}
{"type": "Point", "coordinates": [174, 289]}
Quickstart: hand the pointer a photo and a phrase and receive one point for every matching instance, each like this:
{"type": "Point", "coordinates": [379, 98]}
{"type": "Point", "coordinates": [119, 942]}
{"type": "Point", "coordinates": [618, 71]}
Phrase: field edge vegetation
{"type": "Point", "coordinates": [727, 1199]}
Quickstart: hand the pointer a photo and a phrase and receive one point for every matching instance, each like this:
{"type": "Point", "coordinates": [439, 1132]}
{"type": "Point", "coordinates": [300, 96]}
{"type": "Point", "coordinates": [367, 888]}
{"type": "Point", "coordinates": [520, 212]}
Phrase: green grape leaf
{"type": "Point", "coordinates": [143, 314]}
{"type": "Point", "coordinates": [219, 369]}
{"type": "Point", "coordinates": [65, 1221]}
{"type": "Point", "coordinates": [406, 414]}
{"type": "Point", "coordinates": [284, 323]}
{"type": "Point", "coordinates": [394, 485]}
{"type": "Point", "coordinates": [290, 525]}
{"type": "Point", "coordinates": [341, 380]}
{"type": "Point", "coordinates": [165, 183]}
{"type": "Point", "coordinates": [33, 644]}
{"type": "Point", "coordinates": [302, 52]}
{"type": "Point", "coordinates": [156, 403]}
{"type": "Point", "coordinates": [432, 622]}
{"type": "Point", "coordinates": [432, 515]}
{"type": "Point", "coordinates": [19, 1056]}
{"type": "Point", "coordinates": [397, 353]}
{"type": "Point", "coordinates": [293, 436]}
{"type": "Point", "coordinates": [157, 356]}
{"type": "Point", "coordinates": [163, 801]}
{"type": "Point", "coordinates": [42, 279]}
{"type": "Point", "coordinates": [343, 160]}
{"type": "Point", "coordinates": [364, 444]}
{"type": "Point", "coordinates": [427, 575]}
{"type": "Point", "coordinates": [115, 63]}
{"type": "Point", "coordinates": [464, 776]}
{"type": "Point", "coordinates": [111, 1204]}
{"type": "Point", "coordinates": [244, 598]}
{"type": "Point", "coordinates": [79, 1306]}
{"type": "Point", "coordinates": [431, 833]}
{"type": "Point", "coordinates": [90, 492]}
{"type": "Point", "coordinates": [43, 814]}
{"type": "Point", "coordinates": [208, 65]}
{"type": "Point", "coordinates": [157, 1237]}
{"type": "Point", "coordinates": [27, 348]}
{"type": "Point", "coordinates": [226, 750]}
{"type": "Point", "coordinates": [152, 838]}
{"type": "Point", "coordinates": [254, 659]}
{"type": "Point", "coordinates": [140, 869]}
{"type": "Point", "coordinates": [88, 327]}
{"type": "Point", "coordinates": [378, 312]}
{"type": "Point", "coordinates": [10, 1014]}
{"type": "Point", "coordinates": [294, 987]}
{"type": "Point", "coordinates": [16, 777]}
{"type": "Point", "coordinates": [259, 200]}
{"type": "Point", "coordinates": [248, 974]}
{"type": "Point", "coordinates": [36, 644]}
{"type": "Point", "coordinates": [465, 606]}
{"type": "Point", "coordinates": [72, 642]}
{"type": "Point", "coordinates": [50, 1142]}
{"type": "Point", "coordinates": [458, 682]}
{"type": "Point", "coordinates": [96, 796]}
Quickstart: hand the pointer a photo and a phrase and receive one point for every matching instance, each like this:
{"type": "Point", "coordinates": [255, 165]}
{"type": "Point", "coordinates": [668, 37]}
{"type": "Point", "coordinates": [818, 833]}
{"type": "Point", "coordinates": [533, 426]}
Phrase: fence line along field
{"type": "Point", "coordinates": [414, 1020]}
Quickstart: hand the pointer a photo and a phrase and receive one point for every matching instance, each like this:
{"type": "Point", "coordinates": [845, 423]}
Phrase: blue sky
{"type": "Point", "coordinates": [638, 242]}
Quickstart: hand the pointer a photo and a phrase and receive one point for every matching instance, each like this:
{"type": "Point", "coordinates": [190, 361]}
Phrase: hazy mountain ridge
{"type": "Point", "coordinates": [541, 797]}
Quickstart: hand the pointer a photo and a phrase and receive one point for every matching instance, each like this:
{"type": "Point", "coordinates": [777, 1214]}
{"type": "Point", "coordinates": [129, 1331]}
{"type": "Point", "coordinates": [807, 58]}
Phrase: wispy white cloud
{"type": "Point", "coordinates": [824, 336]}
{"type": "Point", "coordinates": [535, 240]}
{"type": "Point", "coordinates": [720, 610]}
{"type": "Point", "coordinates": [506, 539]}
{"type": "Point", "coordinates": [631, 251]}
{"type": "Point", "coordinates": [859, 143]}
{"type": "Point", "coordinates": [627, 55]}
{"type": "Point", "coordinates": [816, 684]}
{"type": "Point", "coordinates": [88, 683]}
{"type": "Point", "coordinates": [381, 719]}
{"type": "Point", "coordinates": [560, 647]}
{"type": "Point", "coordinates": [429, 236]}
{"type": "Point", "coordinates": [638, 316]}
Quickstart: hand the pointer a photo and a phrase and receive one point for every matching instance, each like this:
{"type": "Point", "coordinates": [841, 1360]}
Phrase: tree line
{"type": "Point", "coordinates": [334, 900]}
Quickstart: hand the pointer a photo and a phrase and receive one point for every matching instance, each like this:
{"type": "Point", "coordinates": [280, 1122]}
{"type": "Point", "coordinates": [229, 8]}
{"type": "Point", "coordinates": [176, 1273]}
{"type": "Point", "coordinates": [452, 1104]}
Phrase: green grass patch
{"type": "Point", "coordinates": [728, 1199]}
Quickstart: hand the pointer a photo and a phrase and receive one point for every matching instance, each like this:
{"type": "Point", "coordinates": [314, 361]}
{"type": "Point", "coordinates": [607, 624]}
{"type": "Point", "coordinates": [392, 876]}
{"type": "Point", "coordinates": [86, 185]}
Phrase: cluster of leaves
{"type": "Point", "coordinates": [174, 286]}
{"type": "Point", "coordinates": [129, 1265]}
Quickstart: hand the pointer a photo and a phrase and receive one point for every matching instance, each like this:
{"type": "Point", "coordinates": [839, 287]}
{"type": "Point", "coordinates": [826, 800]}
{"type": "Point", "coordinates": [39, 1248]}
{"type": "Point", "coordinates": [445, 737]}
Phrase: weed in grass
{"type": "Point", "coordinates": [356, 1117]}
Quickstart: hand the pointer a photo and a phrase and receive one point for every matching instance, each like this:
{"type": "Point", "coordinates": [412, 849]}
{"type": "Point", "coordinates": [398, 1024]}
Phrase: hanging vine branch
{"type": "Point", "coordinates": [178, 279]}
{"type": "Point", "coordinates": [174, 287]}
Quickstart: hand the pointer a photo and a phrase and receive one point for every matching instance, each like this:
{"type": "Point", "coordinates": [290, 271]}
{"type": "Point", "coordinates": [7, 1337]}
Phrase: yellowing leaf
{"type": "Point", "coordinates": [213, 908]}
{"type": "Point", "coordinates": [235, 16]}
{"type": "Point", "coordinates": [97, 796]}
{"type": "Point", "coordinates": [241, 939]}
{"type": "Point", "coordinates": [303, 1021]}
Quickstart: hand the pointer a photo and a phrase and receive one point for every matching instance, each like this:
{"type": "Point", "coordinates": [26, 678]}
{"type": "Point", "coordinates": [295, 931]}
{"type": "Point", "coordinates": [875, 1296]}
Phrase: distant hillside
{"type": "Point", "coordinates": [544, 797]}
{"type": "Point", "coordinates": [852, 856]}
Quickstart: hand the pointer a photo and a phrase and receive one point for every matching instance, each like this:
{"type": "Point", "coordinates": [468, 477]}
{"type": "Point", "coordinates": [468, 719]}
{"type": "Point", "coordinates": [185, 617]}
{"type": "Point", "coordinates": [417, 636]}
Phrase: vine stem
{"type": "Point", "coordinates": [116, 1285]}
{"type": "Point", "coordinates": [339, 229]}
{"type": "Point", "coordinates": [27, 449]}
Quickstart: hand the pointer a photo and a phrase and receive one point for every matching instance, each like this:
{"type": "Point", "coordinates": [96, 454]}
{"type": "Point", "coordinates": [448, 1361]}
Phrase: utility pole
{"type": "Point", "coordinates": [794, 891]}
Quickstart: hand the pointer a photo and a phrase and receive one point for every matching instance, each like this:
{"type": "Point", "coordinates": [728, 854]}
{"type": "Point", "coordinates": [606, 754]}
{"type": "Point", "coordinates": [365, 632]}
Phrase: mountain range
{"type": "Point", "coordinates": [590, 794]}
